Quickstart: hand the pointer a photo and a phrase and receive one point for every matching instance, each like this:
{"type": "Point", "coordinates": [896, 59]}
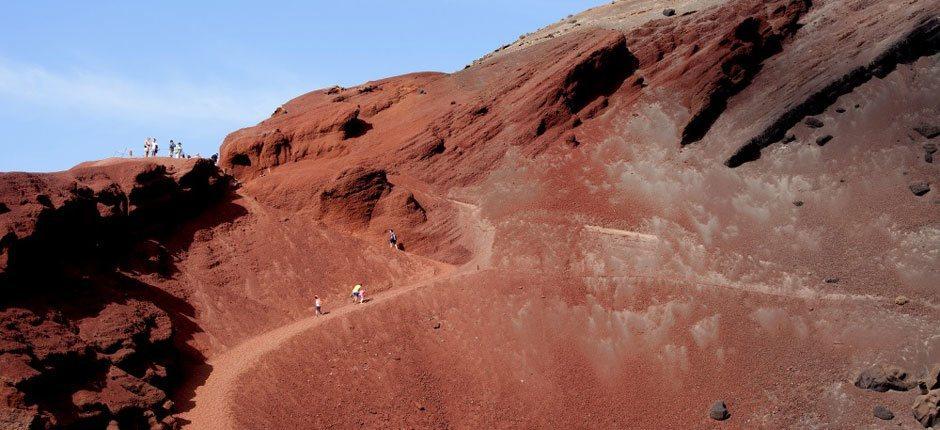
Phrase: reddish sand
{"type": "Point", "coordinates": [613, 222]}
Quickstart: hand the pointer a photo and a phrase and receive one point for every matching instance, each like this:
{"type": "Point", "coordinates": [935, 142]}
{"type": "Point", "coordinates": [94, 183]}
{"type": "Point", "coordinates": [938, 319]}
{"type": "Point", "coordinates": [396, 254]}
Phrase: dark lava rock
{"type": "Point", "coordinates": [719, 411]}
{"type": "Point", "coordinates": [928, 158]}
{"type": "Point", "coordinates": [884, 413]}
{"type": "Point", "coordinates": [882, 378]}
{"type": "Point", "coordinates": [45, 201]}
{"type": "Point", "coordinates": [437, 325]}
{"type": "Point", "coordinates": [822, 140]}
{"type": "Point", "coordinates": [832, 280]}
{"type": "Point", "coordinates": [669, 12]}
{"type": "Point", "coordinates": [813, 122]}
{"type": "Point", "coordinates": [920, 188]}
{"type": "Point", "coordinates": [930, 148]}
{"type": "Point", "coordinates": [925, 408]}
{"type": "Point", "coordinates": [840, 110]}
{"type": "Point", "coordinates": [928, 131]}
{"type": "Point", "coordinates": [4, 208]}
{"type": "Point", "coordinates": [789, 138]}
{"type": "Point", "coordinates": [798, 203]}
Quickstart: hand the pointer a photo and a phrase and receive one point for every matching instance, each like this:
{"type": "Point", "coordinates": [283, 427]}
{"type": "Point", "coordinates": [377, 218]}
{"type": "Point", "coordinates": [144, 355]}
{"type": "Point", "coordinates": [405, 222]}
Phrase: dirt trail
{"type": "Point", "coordinates": [213, 409]}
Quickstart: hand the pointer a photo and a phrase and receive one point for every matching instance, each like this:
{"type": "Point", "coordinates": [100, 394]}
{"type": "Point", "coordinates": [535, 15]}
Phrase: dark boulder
{"type": "Point", "coordinates": [823, 140]}
{"type": "Point", "coordinates": [882, 378]}
{"type": "Point", "coordinates": [669, 12]}
{"type": "Point", "coordinates": [920, 188]}
{"type": "Point", "coordinates": [813, 122]}
{"type": "Point", "coordinates": [883, 413]}
{"type": "Point", "coordinates": [719, 411]}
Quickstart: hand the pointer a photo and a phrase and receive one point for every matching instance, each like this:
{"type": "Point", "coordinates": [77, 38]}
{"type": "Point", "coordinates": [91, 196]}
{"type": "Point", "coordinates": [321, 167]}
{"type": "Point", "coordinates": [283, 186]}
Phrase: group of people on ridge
{"type": "Point", "coordinates": [151, 148]}
{"type": "Point", "coordinates": [358, 293]}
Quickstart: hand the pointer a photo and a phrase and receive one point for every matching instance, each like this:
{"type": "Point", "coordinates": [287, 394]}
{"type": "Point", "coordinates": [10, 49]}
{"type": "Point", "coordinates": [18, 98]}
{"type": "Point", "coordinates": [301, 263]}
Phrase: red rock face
{"type": "Point", "coordinates": [617, 221]}
{"type": "Point", "coordinates": [83, 342]}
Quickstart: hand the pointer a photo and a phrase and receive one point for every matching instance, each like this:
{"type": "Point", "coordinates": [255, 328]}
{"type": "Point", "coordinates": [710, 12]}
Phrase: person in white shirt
{"type": "Point", "coordinates": [317, 304]}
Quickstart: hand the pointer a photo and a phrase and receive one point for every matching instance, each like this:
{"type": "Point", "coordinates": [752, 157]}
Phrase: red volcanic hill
{"type": "Point", "coordinates": [631, 218]}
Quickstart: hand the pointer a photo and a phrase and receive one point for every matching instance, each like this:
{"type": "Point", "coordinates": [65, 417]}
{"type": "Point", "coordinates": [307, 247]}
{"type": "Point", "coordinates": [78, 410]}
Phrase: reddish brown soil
{"type": "Point", "coordinates": [604, 225]}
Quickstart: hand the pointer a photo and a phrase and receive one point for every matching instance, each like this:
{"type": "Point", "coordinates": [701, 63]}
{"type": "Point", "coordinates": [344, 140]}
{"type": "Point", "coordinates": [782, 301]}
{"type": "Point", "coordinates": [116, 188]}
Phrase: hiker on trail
{"type": "Point", "coordinates": [172, 148]}
{"type": "Point", "coordinates": [179, 150]}
{"type": "Point", "coordinates": [148, 143]}
{"type": "Point", "coordinates": [215, 159]}
{"type": "Point", "coordinates": [155, 148]}
{"type": "Point", "coordinates": [316, 305]}
{"type": "Point", "coordinates": [392, 239]}
{"type": "Point", "coordinates": [357, 293]}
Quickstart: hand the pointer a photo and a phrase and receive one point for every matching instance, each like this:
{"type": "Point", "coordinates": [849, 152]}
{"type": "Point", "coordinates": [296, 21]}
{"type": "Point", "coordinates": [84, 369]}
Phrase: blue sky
{"type": "Point", "coordinates": [85, 80]}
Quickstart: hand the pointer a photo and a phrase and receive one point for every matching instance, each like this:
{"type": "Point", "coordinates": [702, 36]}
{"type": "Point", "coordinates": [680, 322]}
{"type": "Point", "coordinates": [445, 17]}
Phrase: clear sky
{"type": "Point", "coordinates": [83, 80]}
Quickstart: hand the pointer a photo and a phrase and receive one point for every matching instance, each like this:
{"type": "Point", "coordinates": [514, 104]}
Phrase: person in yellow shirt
{"type": "Point", "coordinates": [357, 294]}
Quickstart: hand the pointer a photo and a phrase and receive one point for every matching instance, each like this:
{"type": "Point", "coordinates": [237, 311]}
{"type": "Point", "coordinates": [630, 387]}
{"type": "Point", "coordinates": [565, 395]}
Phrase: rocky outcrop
{"type": "Point", "coordinates": [81, 343]}
{"type": "Point", "coordinates": [746, 46]}
{"type": "Point", "coordinates": [924, 40]}
{"type": "Point", "coordinates": [885, 377]}
{"type": "Point", "coordinates": [352, 196]}
{"type": "Point", "coordinates": [925, 408]}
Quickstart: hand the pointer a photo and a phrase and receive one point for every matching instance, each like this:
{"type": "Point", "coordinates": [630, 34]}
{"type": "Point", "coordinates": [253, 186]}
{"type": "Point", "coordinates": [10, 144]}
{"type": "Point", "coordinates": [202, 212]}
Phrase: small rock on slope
{"type": "Point", "coordinates": [920, 188]}
{"type": "Point", "coordinates": [883, 413]}
{"type": "Point", "coordinates": [813, 122]}
{"type": "Point", "coordinates": [823, 140]}
{"type": "Point", "coordinates": [669, 12]}
{"type": "Point", "coordinates": [719, 411]}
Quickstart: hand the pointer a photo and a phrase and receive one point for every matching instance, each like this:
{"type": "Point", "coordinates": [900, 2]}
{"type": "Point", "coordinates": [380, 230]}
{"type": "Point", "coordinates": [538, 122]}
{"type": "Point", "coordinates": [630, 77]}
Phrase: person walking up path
{"type": "Point", "coordinates": [316, 304]}
{"type": "Point", "coordinates": [357, 293]}
{"type": "Point", "coordinates": [392, 239]}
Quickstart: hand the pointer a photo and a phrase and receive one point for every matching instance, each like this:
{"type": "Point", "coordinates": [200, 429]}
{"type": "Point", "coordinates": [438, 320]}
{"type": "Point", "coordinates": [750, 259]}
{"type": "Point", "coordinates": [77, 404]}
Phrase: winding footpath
{"type": "Point", "coordinates": [213, 408]}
